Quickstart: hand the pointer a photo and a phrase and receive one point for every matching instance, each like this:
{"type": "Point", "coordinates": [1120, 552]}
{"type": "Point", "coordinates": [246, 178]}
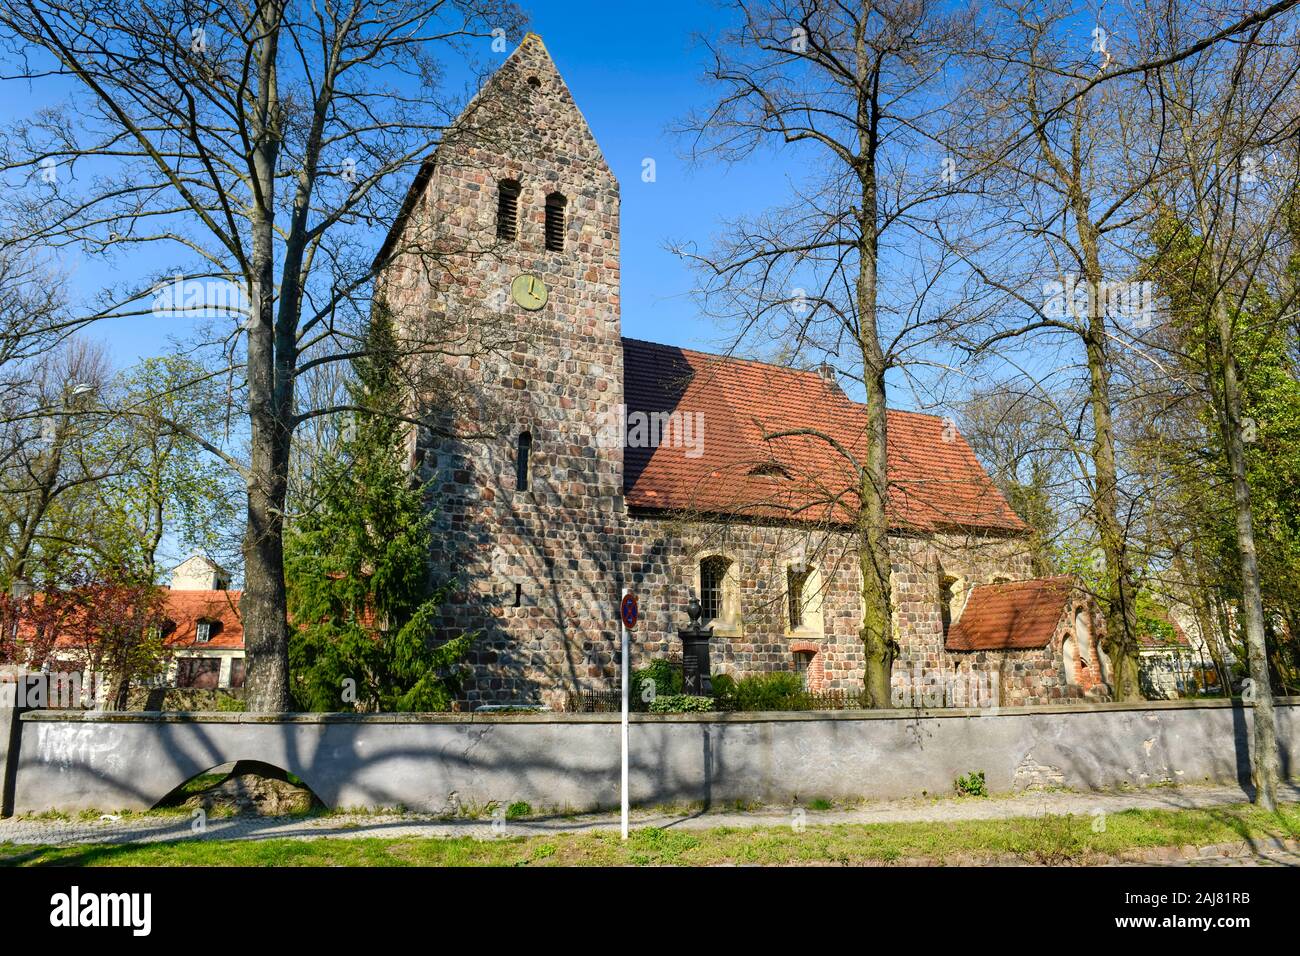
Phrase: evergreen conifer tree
{"type": "Point", "coordinates": [362, 608]}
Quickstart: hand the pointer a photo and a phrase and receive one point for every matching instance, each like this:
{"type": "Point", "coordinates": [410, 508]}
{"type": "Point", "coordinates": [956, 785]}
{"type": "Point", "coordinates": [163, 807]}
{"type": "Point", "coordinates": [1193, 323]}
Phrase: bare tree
{"type": "Point", "coordinates": [1227, 246]}
{"type": "Point", "coordinates": [1062, 178]}
{"type": "Point", "coordinates": [257, 146]}
{"type": "Point", "coordinates": [857, 86]}
{"type": "Point", "coordinates": [51, 456]}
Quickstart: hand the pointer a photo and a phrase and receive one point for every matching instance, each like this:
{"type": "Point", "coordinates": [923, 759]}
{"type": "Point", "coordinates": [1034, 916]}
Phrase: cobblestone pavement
{"type": "Point", "coordinates": [151, 827]}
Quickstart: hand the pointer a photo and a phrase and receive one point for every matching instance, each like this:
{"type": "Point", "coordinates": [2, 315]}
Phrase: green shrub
{"type": "Point", "coordinates": [667, 677]}
{"type": "Point", "coordinates": [971, 784]}
{"type": "Point", "coordinates": [518, 810]}
{"type": "Point", "coordinates": [775, 690]}
{"type": "Point", "coordinates": [227, 703]}
{"type": "Point", "coordinates": [724, 691]}
{"type": "Point", "coordinates": [681, 704]}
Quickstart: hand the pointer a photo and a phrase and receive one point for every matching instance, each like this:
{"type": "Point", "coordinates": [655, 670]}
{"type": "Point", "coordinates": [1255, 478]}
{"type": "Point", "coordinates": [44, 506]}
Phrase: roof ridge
{"type": "Point", "coordinates": [1050, 578]}
{"type": "Point", "coordinates": [772, 365]}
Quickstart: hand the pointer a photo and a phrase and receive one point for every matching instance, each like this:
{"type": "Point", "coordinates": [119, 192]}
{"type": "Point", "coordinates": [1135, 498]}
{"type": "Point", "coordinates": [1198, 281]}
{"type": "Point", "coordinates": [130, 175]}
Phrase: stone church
{"type": "Point", "coordinates": [577, 462]}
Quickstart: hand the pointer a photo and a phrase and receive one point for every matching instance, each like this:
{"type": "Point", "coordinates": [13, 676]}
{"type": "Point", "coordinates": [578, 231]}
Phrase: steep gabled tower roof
{"type": "Point", "coordinates": [527, 93]}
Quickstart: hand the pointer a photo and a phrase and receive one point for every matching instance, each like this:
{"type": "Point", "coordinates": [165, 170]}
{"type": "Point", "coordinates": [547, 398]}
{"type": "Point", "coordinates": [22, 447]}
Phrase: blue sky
{"type": "Point", "coordinates": [633, 71]}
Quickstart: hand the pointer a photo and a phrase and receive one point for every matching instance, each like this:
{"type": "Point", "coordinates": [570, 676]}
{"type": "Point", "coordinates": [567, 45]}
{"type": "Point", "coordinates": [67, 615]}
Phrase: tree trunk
{"type": "Point", "coordinates": [263, 608]}
{"type": "Point", "coordinates": [1120, 604]}
{"type": "Point", "coordinates": [877, 632]}
{"type": "Point", "coordinates": [1263, 754]}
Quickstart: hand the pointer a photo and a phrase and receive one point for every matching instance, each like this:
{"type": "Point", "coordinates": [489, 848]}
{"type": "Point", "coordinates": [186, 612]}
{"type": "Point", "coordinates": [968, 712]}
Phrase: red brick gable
{"type": "Point", "coordinates": [1022, 615]}
{"type": "Point", "coordinates": [935, 479]}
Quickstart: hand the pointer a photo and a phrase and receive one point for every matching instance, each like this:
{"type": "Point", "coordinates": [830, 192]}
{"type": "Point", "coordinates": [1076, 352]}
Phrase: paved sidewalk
{"type": "Point", "coordinates": [146, 828]}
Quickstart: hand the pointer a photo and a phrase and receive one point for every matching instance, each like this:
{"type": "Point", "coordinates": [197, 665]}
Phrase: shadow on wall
{"type": "Point", "coordinates": [538, 566]}
{"type": "Point", "coordinates": [459, 765]}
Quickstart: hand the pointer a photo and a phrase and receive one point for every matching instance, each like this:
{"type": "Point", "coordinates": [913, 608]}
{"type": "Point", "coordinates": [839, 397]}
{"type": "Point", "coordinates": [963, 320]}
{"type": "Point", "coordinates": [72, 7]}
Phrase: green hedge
{"type": "Point", "coordinates": [681, 704]}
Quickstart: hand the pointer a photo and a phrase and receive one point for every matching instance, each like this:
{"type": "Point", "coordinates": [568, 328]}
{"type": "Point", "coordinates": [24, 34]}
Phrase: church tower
{"type": "Point", "coordinates": [506, 260]}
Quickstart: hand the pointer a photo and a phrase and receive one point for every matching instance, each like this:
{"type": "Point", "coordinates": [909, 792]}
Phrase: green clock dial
{"type": "Point", "coordinates": [529, 292]}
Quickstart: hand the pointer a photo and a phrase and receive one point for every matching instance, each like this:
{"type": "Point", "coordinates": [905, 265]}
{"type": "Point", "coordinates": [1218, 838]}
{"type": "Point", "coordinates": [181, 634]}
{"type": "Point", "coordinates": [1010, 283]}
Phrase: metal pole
{"type": "Point", "coordinates": [623, 786]}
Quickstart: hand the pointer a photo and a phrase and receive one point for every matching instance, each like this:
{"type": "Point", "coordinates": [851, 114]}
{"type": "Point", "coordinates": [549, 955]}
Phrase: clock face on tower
{"type": "Point", "coordinates": [529, 291]}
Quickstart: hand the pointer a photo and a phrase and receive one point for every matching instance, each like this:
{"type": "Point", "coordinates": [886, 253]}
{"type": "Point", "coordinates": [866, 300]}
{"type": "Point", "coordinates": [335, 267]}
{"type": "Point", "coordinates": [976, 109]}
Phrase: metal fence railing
{"type": "Point", "coordinates": [611, 702]}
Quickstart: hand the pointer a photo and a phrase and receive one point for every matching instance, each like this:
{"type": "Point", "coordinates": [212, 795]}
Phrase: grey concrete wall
{"type": "Point", "coordinates": [10, 728]}
{"type": "Point", "coordinates": [72, 761]}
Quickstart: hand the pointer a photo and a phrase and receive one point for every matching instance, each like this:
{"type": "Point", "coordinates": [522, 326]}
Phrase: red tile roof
{"type": "Point", "coordinates": [1018, 616]}
{"type": "Point", "coordinates": [183, 611]}
{"type": "Point", "coordinates": [935, 479]}
{"type": "Point", "coordinates": [186, 608]}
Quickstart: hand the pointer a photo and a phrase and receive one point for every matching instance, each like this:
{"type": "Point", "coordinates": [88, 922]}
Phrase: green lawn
{"type": "Point", "coordinates": [1034, 840]}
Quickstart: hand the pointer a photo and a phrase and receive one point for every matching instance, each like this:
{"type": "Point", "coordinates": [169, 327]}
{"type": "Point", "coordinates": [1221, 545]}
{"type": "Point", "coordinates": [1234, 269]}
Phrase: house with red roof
{"type": "Point", "coordinates": [1169, 666]}
{"type": "Point", "coordinates": [200, 625]}
{"type": "Point", "coordinates": [203, 630]}
{"type": "Point", "coordinates": [578, 462]}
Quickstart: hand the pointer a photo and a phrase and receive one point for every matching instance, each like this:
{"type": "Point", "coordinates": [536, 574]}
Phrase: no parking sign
{"type": "Point", "coordinates": [628, 611]}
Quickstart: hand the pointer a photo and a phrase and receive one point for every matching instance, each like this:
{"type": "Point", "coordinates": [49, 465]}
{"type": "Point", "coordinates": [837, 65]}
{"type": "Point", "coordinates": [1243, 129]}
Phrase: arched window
{"type": "Point", "coordinates": [521, 460]}
{"type": "Point", "coordinates": [802, 666]}
{"type": "Point", "coordinates": [717, 582]}
{"type": "Point", "coordinates": [795, 579]}
{"type": "Point", "coordinates": [1070, 658]}
{"type": "Point", "coordinates": [713, 576]}
{"type": "Point", "coordinates": [1083, 634]}
{"type": "Point", "coordinates": [555, 204]}
{"type": "Point", "coordinates": [508, 210]}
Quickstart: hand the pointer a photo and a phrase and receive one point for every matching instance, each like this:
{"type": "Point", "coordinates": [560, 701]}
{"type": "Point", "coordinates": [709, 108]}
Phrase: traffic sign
{"type": "Point", "coordinates": [628, 610]}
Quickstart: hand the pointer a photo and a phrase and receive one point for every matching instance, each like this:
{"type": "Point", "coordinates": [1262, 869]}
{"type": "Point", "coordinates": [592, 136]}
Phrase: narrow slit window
{"type": "Point", "coordinates": [947, 598]}
{"type": "Point", "coordinates": [521, 461]}
{"type": "Point", "coordinates": [555, 205]}
{"type": "Point", "coordinates": [508, 210]}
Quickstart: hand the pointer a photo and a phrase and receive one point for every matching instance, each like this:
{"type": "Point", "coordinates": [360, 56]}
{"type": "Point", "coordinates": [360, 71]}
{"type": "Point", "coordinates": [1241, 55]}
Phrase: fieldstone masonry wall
{"type": "Point", "coordinates": [538, 566]}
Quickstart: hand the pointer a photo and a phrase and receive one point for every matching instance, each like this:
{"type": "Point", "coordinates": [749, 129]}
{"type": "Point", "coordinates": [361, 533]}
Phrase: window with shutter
{"type": "Point", "coordinates": [508, 210]}
{"type": "Point", "coordinates": [555, 206]}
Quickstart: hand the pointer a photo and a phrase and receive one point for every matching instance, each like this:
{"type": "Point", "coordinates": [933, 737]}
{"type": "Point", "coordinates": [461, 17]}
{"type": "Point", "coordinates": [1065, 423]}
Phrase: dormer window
{"type": "Point", "coordinates": [508, 210]}
{"type": "Point", "coordinates": [555, 206]}
{"type": "Point", "coordinates": [203, 632]}
{"type": "Point", "coordinates": [769, 469]}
